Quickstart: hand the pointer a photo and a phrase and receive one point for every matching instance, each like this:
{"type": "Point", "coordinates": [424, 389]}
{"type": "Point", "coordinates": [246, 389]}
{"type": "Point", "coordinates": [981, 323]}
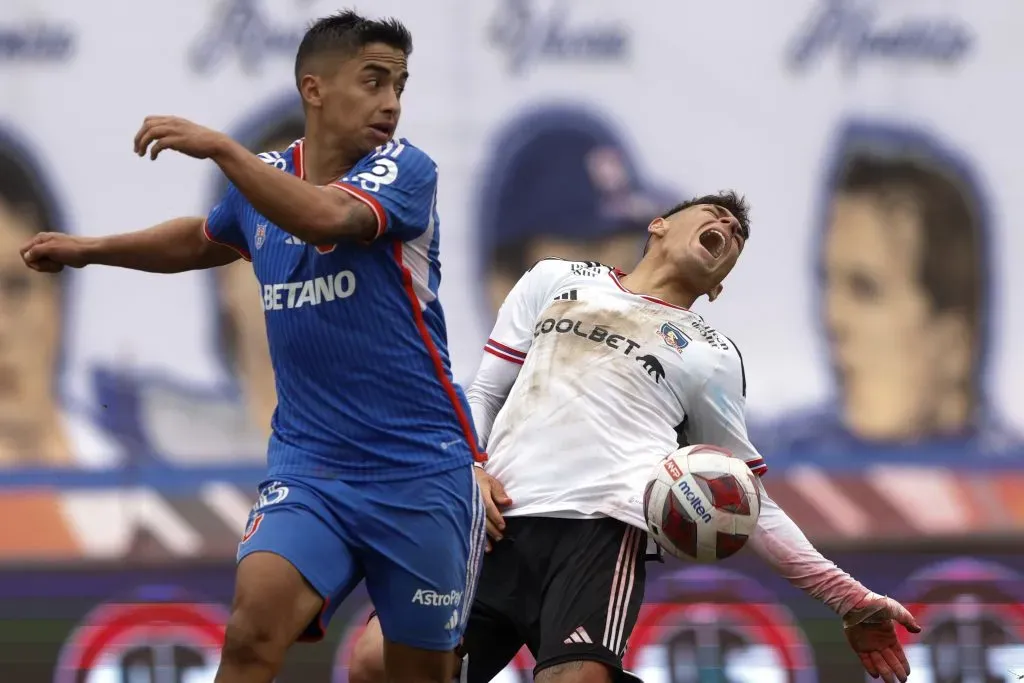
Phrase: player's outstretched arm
{"type": "Point", "coordinates": [717, 417]}
{"type": "Point", "coordinates": [868, 618]}
{"type": "Point", "coordinates": [175, 246]}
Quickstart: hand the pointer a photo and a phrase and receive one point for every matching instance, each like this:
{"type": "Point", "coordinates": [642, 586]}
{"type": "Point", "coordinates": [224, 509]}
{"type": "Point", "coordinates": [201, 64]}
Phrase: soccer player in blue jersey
{"type": "Point", "coordinates": [370, 461]}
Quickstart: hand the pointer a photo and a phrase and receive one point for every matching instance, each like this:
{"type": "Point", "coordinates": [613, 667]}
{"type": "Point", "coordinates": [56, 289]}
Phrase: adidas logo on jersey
{"type": "Point", "coordinates": [292, 239]}
{"type": "Point", "coordinates": [567, 296]}
{"type": "Point", "coordinates": [580, 635]}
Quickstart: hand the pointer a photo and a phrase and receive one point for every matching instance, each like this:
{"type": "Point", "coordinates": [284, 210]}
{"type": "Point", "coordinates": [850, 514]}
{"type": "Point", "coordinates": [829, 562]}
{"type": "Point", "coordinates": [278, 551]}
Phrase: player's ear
{"type": "Point", "coordinates": [715, 292]}
{"type": "Point", "coordinates": [657, 227]}
{"type": "Point", "coordinates": [309, 89]}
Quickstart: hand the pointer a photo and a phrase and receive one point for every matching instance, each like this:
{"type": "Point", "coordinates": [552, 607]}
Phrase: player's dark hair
{"type": "Point", "coordinates": [953, 261]}
{"type": "Point", "coordinates": [730, 200]}
{"type": "Point", "coordinates": [345, 33]}
{"type": "Point", "coordinates": [23, 193]}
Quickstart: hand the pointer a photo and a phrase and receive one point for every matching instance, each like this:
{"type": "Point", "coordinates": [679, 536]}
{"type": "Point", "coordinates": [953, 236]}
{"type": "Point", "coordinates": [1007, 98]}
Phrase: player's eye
{"type": "Point", "coordinates": [373, 82]}
{"type": "Point", "coordinates": [864, 287]}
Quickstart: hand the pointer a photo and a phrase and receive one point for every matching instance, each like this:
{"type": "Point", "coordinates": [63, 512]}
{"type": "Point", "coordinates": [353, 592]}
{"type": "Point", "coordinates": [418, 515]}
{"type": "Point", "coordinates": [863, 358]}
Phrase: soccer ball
{"type": "Point", "coordinates": [701, 503]}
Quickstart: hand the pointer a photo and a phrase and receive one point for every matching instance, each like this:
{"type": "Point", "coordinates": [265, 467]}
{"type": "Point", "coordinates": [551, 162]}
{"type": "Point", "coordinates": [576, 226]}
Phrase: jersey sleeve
{"type": "Point", "coordinates": [399, 185]}
{"type": "Point", "coordinates": [222, 225]}
{"type": "Point", "coordinates": [512, 334]}
{"type": "Point", "coordinates": [510, 339]}
{"type": "Point", "coordinates": [715, 411]}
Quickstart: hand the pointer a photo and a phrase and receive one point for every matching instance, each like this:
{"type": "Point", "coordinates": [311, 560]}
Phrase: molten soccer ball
{"type": "Point", "coordinates": [701, 503]}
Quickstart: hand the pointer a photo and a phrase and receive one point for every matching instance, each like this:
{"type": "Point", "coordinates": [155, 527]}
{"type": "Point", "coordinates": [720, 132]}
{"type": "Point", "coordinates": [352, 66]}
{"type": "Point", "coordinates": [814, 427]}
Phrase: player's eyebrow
{"type": "Point", "coordinates": [383, 71]}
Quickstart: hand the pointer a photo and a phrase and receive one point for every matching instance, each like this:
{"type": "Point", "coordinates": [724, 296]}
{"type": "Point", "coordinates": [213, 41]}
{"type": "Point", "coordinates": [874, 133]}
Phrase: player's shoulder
{"type": "Point", "coordinates": [402, 152]}
{"type": "Point", "coordinates": [724, 358]}
{"type": "Point", "coordinates": [283, 160]}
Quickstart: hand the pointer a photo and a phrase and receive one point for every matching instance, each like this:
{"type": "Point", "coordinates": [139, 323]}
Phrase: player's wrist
{"type": "Point", "coordinates": [92, 249]}
{"type": "Point", "coordinates": [224, 149]}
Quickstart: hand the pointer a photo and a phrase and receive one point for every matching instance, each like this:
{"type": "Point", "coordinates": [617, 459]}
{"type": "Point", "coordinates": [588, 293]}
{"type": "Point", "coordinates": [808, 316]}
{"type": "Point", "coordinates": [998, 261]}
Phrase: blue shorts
{"type": "Point", "coordinates": [418, 543]}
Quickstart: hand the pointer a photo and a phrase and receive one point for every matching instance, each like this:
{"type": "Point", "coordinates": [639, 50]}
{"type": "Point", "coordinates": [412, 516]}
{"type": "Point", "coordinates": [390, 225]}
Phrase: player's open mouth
{"type": "Point", "coordinates": [385, 129]}
{"type": "Point", "coordinates": [714, 241]}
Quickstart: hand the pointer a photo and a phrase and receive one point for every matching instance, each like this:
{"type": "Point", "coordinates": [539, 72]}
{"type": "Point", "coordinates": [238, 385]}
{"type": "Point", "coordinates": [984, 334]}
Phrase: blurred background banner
{"type": "Point", "coordinates": [876, 305]}
{"type": "Point", "coordinates": [726, 623]}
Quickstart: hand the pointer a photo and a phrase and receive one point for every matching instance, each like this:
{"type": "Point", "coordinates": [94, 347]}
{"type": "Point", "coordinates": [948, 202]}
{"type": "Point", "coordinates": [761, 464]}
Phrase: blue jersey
{"type": "Point", "coordinates": [357, 335]}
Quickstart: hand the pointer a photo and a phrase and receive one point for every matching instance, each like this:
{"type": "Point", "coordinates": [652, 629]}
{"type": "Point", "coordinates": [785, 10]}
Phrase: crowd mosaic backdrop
{"type": "Point", "coordinates": [877, 304]}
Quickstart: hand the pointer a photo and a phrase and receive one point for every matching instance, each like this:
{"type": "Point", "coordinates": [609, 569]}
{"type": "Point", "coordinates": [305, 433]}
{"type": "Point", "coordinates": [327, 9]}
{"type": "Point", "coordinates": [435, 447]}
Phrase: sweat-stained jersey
{"type": "Point", "coordinates": [610, 383]}
{"type": "Point", "coordinates": [357, 335]}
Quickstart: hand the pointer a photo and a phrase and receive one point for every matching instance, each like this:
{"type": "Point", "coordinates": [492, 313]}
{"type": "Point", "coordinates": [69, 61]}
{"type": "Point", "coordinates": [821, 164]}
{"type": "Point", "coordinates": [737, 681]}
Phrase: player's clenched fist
{"type": "Point", "coordinates": [49, 252]}
{"type": "Point", "coordinates": [181, 135]}
{"type": "Point", "coordinates": [494, 497]}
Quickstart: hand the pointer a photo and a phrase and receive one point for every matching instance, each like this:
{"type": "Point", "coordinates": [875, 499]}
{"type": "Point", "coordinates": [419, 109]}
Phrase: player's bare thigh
{"type": "Point", "coordinates": [367, 663]}
{"type": "Point", "coordinates": [272, 606]}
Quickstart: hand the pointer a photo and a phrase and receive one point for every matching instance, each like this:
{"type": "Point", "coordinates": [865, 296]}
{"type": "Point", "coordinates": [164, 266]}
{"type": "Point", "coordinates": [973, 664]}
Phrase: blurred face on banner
{"type": "Point", "coordinates": [619, 250]}
{"type": "Point", "coordinates": [249, 350]}
{"type": "Point", "coordinates": [562, 183]}
{"type": "Point", "coordinates": [244, 326]}
{"type": "Point", "coordinates": [899, 309]}
{"type": "Point", "coordinates": [30, 328]}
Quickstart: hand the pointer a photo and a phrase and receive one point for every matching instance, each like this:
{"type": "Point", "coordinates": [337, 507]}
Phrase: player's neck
{"type": "Point", "coordinates": [659, 281]}
{"type": "Point", "coordinates": [324, 159]}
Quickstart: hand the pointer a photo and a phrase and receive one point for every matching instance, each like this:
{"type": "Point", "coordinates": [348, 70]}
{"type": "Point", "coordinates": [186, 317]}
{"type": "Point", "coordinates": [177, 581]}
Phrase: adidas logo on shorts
{"type": "Point", "coordinates": [453, 621]}
{"type": "Point", "coordinates": [580, 635]}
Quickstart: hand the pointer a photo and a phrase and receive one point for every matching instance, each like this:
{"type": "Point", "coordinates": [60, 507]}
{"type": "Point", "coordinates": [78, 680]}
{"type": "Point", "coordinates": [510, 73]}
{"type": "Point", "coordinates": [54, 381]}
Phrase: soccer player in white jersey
{"type": "Point", "coordinates": [591, 377]}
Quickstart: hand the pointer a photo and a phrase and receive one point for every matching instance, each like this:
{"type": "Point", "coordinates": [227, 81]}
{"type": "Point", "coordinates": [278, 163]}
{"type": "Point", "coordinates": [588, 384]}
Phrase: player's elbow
{"type": "Point", "coordinates": [337, 219]}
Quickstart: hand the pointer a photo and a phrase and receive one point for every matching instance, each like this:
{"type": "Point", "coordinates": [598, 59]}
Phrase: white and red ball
{"type": "Point", "coordinates": [702, 504]}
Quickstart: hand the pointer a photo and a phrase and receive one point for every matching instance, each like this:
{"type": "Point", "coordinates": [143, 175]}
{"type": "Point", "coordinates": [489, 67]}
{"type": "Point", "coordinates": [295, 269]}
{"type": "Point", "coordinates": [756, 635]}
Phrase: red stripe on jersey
{"type": "Point", "coordinates": [370, 201]}
{"type": "Point", "coordinates": [298, 163]}
{"type": "Point", "coordinates": [239, 250]}
{"type": "Point", "coordinates": [503, 356]}
{"type": "Point", "coordinates": [506, 349]}
{"type": "Point", "coordinates": [614, 275]}
{"type": "Point", "coordinates": [758, 467]}
{"type": "Point", "coordinates": [435, 357]}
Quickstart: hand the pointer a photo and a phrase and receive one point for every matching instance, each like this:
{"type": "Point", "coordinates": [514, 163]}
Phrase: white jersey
{"type": "Point", "coordinates": [612, 383]}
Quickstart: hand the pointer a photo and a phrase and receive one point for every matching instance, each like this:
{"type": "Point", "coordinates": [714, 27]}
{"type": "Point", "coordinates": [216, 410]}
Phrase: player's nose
{"type": "Point", "coordinates": [391, 102]}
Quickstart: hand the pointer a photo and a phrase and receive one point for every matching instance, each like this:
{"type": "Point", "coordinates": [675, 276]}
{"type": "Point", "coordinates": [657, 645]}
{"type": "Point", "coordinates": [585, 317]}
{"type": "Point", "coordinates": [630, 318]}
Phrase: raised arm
{"type": "Point", "coordinates": [313, 214]}
{"type": "Point", "coordinates": [716, 417]}
{"type": "Point", "coordinates": [391, 191]}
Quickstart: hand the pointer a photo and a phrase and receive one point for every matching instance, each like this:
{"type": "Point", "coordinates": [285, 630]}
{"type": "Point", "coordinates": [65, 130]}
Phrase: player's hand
{"type": "Point", "coordinates": [494, 496]}
{"type": "Point", "coordinates": [181, 135]}
{"type": "Point", "coordinates": [49, 252]}
{"type": "Point", "coordinates": [871, 631]}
